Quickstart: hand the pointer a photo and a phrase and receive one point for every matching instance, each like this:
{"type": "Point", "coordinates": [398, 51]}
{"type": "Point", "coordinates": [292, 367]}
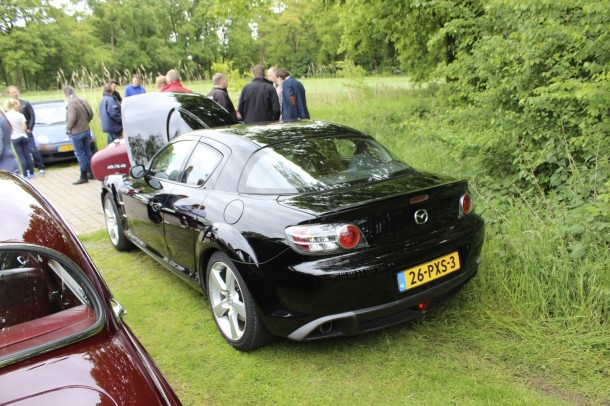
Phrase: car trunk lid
{"type": "Point", "coordinates": [389, 210]}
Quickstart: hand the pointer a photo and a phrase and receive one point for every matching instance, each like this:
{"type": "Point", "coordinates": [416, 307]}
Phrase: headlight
{"type": "Point", "coordinates": [42, 139]}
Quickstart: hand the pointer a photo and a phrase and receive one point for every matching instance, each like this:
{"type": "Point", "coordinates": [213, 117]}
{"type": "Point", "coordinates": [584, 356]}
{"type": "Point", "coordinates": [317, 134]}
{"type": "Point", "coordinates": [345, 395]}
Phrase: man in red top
{"type": "Point", "coordinates": [173, 78]}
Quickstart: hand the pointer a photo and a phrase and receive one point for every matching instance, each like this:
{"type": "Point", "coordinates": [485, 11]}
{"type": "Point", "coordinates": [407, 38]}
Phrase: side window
{"type": "Point", "coordinates": [201, 165]}
{"type": "Point", "coordinates": [167, 164]}
{"type": "Point", "coordinates": [43, 299]}
{"type": "Point", "coordinates": [177, 125]}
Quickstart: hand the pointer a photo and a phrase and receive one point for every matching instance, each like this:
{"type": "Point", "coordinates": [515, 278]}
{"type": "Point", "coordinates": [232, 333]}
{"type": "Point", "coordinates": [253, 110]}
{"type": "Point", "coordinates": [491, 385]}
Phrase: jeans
{"type": "Point", "coordinates": [22, 147]}
{"type": "Point", "coordinates": [35, 154]}
{"type": "Point", "coordinates": [114, 136]}
{"type": "Point", "coordinates": [82, 150]}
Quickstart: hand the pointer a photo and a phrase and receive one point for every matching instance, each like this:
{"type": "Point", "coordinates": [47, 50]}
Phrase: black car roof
{"type": "Point", "coordinates": [276, 133]}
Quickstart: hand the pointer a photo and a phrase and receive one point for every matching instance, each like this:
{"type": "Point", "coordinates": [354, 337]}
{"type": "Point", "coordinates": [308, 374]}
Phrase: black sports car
{"type": "Point", "coordinates": [304, 230]}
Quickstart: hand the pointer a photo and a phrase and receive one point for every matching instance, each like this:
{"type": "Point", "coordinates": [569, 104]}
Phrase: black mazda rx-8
{"type": "Point", "coordinates": [305, 230]}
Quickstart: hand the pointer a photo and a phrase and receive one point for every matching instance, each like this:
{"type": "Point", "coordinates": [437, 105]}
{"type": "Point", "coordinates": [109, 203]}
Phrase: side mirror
{"type": "Point", "coordinates": [137, 171]}
{"type": "Point", "coordinates": [154, 183]}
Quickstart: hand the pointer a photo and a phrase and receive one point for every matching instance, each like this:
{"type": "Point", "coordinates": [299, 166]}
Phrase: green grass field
{"type": "Point", "coordinates": [532, 328]}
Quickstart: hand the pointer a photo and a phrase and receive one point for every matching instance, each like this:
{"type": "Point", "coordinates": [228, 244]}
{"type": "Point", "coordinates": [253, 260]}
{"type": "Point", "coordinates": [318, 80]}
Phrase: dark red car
{"type": "Point", "coordinates": [62, 338]}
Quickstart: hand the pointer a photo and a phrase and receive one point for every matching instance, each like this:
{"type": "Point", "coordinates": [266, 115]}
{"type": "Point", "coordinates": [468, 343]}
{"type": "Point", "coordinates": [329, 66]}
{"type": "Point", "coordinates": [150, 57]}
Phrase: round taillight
{"type": "Point", "coordinates": [466, 203]}
{"type": "Point", "coordinates": [349, 236]}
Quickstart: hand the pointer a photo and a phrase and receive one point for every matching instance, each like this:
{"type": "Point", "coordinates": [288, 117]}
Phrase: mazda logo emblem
{"type": "Point", "coordinates": [421, 216]}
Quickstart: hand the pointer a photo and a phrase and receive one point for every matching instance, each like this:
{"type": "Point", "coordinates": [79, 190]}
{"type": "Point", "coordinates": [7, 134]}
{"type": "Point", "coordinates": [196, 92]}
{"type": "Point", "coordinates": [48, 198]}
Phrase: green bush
{"type": "Point", "coordinates": [534, 91]}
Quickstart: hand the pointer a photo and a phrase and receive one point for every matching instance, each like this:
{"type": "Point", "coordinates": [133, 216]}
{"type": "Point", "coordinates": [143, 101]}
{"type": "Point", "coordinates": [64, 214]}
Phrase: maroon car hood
{"type": "Point", "coordinates": [100, 370]}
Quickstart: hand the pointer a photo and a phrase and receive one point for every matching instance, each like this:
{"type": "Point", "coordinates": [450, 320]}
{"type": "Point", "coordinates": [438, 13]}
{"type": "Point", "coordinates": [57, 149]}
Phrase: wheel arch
{"type": "Point", "coordinates": [109, 191]}
{"type": "Point", "coordinates": [227, 239]}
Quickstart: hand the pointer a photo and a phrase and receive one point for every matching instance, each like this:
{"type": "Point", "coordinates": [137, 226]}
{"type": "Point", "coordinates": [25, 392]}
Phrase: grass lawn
{"type": "Point", "coordinates": [495, 343]}
{"type": "Point", "coordinates": [445, 359]}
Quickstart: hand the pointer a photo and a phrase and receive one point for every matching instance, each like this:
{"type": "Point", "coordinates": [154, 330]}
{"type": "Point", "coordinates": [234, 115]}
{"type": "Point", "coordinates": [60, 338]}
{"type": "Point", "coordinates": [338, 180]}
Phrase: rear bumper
{"type": "Point", "coordinates": [52, 154]}
{"type": "Point", "coordinates": [378, 317]}
{"type": "Point", "coordinates": [359, 291]}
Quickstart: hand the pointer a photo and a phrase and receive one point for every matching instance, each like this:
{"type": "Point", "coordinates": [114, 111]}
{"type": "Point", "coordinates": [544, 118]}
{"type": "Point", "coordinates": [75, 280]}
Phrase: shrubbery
{"type": "Point", "coordinates": [532, 87]}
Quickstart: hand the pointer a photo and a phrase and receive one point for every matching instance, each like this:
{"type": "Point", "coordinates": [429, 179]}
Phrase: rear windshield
{"type": "Point", "coordinates": [317, 164]}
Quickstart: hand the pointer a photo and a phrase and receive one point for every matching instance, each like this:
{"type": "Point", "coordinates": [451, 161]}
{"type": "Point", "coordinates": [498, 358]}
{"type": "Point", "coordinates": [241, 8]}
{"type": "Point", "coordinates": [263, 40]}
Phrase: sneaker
{"type": "Point", "coordinates": [41, 172]}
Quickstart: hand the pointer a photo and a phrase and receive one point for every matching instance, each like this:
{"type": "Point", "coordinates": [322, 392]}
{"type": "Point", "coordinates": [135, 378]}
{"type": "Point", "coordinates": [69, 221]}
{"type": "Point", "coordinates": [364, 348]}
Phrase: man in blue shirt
{"type": "Point", "coordinates": [135, 87]}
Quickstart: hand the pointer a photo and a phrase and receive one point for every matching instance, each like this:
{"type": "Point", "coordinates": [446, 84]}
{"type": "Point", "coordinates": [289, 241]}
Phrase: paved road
{"type": "Point", "coordinates": [78, 204]}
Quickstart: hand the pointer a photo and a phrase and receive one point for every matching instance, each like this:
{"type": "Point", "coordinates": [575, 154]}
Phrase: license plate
{"type": "Point", "coordinates": [66, 148]}
{"type": "Point", "coordinates": [427, 272]}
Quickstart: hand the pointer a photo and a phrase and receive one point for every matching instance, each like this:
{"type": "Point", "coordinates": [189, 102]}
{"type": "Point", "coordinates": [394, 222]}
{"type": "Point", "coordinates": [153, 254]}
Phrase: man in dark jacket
{"type": "Point", "coordinates": [26, 109]}
{"type": "Point", "coordinates": [294, 102]}
{"type": "Point", "coordinates": [110, 114]}
{"type": "Point", "coordinates": [220, 95]}
{"type": "Point", "coordinates": [114, 83]}
{"type": "Point", "coordinates": [258, 101]}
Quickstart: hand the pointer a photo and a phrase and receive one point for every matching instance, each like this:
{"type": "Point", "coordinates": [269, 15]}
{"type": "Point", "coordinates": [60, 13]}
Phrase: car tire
{"type": "Point", "coordinates": [232, 305]}
{"type": "Point", "coordinates": [114, 226]}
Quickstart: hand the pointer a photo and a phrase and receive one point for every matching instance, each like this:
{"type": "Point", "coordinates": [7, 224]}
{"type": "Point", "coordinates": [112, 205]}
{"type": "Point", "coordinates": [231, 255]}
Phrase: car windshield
{"type": "Point", "coordinates": [51, 113]}
{"type": "Point", "coordinates": [317, 164]}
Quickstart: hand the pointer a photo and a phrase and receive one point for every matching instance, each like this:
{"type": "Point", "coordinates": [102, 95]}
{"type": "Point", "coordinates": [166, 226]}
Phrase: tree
{"type": "Point", "coordinates": [238, 45]}
{"type": "Point", "coordinates": [21, 50]}
{"type": "Point", "coordinates": [296, 35]}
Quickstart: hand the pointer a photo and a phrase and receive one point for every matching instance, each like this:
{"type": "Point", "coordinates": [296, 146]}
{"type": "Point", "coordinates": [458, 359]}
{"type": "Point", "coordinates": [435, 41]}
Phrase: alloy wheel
{"type": "Point", "coordinates": [226, 300]}
{"type": "Point", "coordinates": [112, 224]}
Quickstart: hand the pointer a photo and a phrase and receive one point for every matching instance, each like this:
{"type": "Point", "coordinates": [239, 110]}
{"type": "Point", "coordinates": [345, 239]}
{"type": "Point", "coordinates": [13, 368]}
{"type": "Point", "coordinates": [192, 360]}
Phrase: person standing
{"type": "Point", "coordinates": [20, 137]}
{"type": "Point", "coordinates": [8, 162]}
{"type": "Point", "coordinates": [294, 102]}
{"type": "Point", "coordinates": [78, 117]}
{"type": "Point", "coordinates": [110, 114]}
{"type": "Point", "coordinates": [258, 101]}
{"type": "Point", "coordinates": [220, 95]}
{"type": "Point", "coordinates": [272, 75]}
{"type": "Point", "coordinates": [30, 120]}
{"type": "Point", "coordinates": [135, 87]}
{"type": "Point", "coordinates": [160, 83]}
{"type": "Point", "coordinates": [174, 84]}
{"type": "Point", "coordinates": [114, 83]}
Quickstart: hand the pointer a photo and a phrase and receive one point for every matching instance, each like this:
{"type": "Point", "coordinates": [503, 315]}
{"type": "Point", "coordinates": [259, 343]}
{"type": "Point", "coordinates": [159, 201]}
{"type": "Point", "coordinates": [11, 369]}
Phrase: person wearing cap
{"type": "Point", "coordinates": [113, 84]}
